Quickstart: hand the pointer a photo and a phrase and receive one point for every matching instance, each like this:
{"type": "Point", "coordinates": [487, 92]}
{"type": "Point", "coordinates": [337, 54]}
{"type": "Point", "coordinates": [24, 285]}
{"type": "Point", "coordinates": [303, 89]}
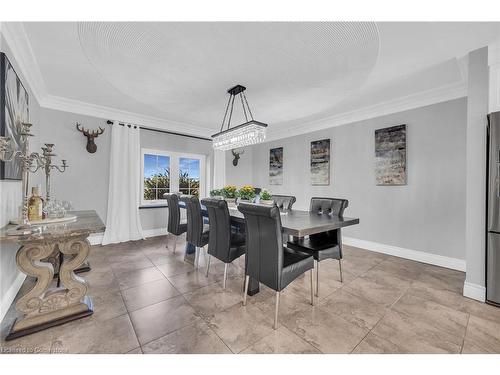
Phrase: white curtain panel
{"type": "Point", "coordinates": [219, 169]}
{"type": "Point", "coordinates": [122, 221]}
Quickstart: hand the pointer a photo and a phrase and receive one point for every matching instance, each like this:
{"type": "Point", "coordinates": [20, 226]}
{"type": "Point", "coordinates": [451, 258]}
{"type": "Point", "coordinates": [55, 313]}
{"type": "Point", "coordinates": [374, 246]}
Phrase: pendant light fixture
{"type": "Point", "coordinates": [249, 133]}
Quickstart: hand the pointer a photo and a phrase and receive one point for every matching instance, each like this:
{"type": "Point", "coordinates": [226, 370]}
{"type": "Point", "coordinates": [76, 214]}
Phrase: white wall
{"type": "Point", "coordinates": [426, 215]}
{"type": "Point", "coordinates": [477, 109]}
{"type": "Point", "coordinates": [10, 200]}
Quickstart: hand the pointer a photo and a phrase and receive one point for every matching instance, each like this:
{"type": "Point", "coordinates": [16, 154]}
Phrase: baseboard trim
{"type": "Point", "coordinates": [9, 297]}
{"type": "Point", "coordinates": [419, 256]}
{"type": "Point", "coordinates": [154, 232]}
{"type": "Point", "coordinates": [96, 239]}
{"type": "Point", "coordinates": [474, 291]}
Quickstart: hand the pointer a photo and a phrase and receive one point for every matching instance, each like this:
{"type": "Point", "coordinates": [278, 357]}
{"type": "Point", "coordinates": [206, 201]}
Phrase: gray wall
{"type": "Point", "coordinates": [11, 199]}
{"type": "Point", "coordinates": [85, 182]}
{"type": "Point", "coordinates": [477, 109]}
{"type": "Point", "coordinates": [428, 214]}
{"type": "Point", "coordinates": [242, 174]}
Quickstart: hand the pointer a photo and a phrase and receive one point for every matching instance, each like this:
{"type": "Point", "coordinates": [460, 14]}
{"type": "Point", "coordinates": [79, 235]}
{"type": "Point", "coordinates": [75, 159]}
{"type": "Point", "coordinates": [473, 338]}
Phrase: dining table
{"type": "Point", "coordinates": [295, 223]}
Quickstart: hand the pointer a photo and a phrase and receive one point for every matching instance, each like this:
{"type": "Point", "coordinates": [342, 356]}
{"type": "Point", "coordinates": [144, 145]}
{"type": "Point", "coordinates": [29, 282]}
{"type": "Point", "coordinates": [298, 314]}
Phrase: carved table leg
{"type": "Point", "coordinates": [54, 260]}
{"type": "Point", "coordinates": [42, 307]}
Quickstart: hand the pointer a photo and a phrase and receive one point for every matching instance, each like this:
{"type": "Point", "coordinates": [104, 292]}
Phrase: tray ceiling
{"type": "Point", "coordinates": [294, 72]}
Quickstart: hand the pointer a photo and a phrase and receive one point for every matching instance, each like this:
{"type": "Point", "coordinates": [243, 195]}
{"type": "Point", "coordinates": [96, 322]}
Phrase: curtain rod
{"type": "Point", "coordinates": [109, 122]}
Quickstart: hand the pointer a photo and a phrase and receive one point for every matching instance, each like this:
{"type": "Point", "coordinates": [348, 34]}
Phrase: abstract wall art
{"type": "Point", "coordinates": [320, 162]}
{"type": "Point", "coordinates": [390, 155]}
{"type": "Point", "coordinates": [276, 166]}
{"type": "Point", "coordinates": [13, 111]}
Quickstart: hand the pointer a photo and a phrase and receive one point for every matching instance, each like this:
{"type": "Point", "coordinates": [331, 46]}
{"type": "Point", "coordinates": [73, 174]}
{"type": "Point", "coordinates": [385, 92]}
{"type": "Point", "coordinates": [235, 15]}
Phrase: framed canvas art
{"type": "Point", "coordinates": [320, 162]}
{"type": "Point", "coordinates": [13, 111]}
{"type": "Point", "coordinates": [390, 156]}
{"type": "Point", "coordinates": [276, 166]}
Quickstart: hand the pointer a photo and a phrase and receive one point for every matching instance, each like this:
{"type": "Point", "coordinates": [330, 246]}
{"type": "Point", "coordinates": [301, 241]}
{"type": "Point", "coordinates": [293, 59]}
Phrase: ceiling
{"type": "Point", "coordinates": [295, 73]}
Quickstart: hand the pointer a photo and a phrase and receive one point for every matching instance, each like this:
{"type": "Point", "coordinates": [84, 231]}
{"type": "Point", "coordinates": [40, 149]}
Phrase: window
{"type": "Point", "coordinates": [167, 171]}
{"type": "Point", "coordinates": [156, 177]}
{"type": "Point", "coordinates": [189, 176]}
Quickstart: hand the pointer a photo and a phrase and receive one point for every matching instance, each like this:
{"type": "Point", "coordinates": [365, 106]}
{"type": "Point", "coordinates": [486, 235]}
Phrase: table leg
{"type": "Point", "coordinates": [42, 307]}
{"type": "Point", "coordinates": [54, 259]}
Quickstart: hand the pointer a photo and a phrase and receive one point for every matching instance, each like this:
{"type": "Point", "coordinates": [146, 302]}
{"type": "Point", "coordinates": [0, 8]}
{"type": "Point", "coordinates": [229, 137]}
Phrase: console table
{"type": "Point", "coordinates": [43, 307]}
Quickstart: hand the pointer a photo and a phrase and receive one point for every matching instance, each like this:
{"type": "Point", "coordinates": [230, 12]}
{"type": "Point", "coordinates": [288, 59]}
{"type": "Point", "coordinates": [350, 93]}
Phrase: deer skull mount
{"type": "Point", "coordinates": [236, 155]}
{"type": "Point", "coordinates": [91, 146]}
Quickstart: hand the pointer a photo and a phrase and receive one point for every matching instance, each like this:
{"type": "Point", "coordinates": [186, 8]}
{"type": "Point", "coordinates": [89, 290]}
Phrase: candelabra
{"type": "Point", "coordinates": [46, 161]}
{"type": "Point", "coordinates": [28, 161]}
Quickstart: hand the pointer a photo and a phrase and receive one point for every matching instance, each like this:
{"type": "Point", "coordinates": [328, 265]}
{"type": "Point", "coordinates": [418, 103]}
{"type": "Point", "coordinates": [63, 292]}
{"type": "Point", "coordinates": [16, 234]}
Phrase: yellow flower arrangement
{"type": "Point", "coordinates": [229, 191]}
{"type": "Point", "coordinates": [247, 192]}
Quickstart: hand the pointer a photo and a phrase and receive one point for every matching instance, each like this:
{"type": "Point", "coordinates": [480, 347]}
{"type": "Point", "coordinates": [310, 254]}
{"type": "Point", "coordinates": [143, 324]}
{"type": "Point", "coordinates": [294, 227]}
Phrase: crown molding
{"type": "Point", "coordinates": [16, 37]}
{"type": "Point", "coordinates": [94, 110]}
{"type": "Point", "coordinates": [18, 42]}
{"type": "Point", "coordinates": [421, 99]}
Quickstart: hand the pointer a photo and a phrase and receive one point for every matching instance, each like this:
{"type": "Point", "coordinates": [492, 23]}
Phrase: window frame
{"type": "Point", "coordinates": [174, 176]}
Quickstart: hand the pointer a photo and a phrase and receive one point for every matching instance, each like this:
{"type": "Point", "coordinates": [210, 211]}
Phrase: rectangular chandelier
{"type": "Point", "coordinates": [249, 133]}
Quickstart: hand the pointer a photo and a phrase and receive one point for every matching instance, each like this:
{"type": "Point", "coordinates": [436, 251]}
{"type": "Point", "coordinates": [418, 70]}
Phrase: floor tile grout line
{"type": "Point", "coordinates": [207, 322]}
{"type": "Point", "coordinates": [204, 319]}
{"type": "Point", "coordinates": [131, 321]}
{"type": "Point", "coordinates": [199, 316]}
{"type": "Point", "coordinates": [465, 333]}
{"type": "Point", "coordinates": [168, 333]}
{"type": "Point", "coordinates": [388, 309]}
{"type": "Point", "coordinates": [291, 332]}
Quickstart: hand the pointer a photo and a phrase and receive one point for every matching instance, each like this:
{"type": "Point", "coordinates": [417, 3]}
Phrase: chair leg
{"type": "Point", "coordinates": [225, 276]}
{"type": "Point", "coordinates": [276, 310]}
{"type": "Point", "coordinates": [340, 267]}
{"type": "Point", "coordinates": [208, 265]}
{"type": "Point", "coordinates": [247, 281]}
{"type": "Point", "coordinates": [312, 286]}
{"type": "Point", "coordinates": [317, 277]}
{"type": "Point", "coordinates": [166, 244]}
{"type": "Point", "coordinates": [175, 243]}
{"type": "Point", "coordinates": [197, 256]}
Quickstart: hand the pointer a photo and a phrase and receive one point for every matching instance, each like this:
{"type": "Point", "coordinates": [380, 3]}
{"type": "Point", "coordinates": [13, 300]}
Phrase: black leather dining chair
{"type": "Point", "coordinates": [174, 225]}
{"type": "Point", "coordinates": [197, 232]}
{"type": "Point", "coordinates": [284, 202]}
{"type": "Point", "coordinates": [223, 244]}
{"type": "Point", "coordinates": [267, 260]}
{"type": "Point", "coordinates": [326, 245]}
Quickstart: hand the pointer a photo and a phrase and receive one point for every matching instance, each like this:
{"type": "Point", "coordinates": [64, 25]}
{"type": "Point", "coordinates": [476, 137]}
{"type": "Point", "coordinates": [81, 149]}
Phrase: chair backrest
{"type": "Point", "coordinates": [174, 214]}
{"type": "Point", "coordinates": [328, 206]}
{"type": "Point", "coordinates": [194, 220]}
{"type": "Point", "coordinates": [219, 241]}
{"type": "Point", "coordinates": [284, 202]}
{"type": "Point", "coordinates": [264, 252]}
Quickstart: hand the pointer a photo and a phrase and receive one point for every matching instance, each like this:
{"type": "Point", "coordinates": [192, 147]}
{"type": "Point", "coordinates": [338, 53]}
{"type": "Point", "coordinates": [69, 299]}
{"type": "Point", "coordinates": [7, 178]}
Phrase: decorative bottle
{"type": "Point", "coordinates": [35, 205]}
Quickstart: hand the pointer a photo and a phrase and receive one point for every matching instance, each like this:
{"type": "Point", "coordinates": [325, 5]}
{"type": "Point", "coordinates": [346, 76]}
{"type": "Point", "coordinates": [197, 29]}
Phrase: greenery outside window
{"type": "Point", "coordinates": [167, 172]}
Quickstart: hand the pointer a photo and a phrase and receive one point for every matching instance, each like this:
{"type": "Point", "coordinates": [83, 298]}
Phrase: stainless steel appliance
{"type": "Point", "coordinates": [493, 211]}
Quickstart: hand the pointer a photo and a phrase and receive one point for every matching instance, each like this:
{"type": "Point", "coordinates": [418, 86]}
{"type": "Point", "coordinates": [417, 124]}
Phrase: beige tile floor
{"type": "Point", "coordinates": [148, 300]}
